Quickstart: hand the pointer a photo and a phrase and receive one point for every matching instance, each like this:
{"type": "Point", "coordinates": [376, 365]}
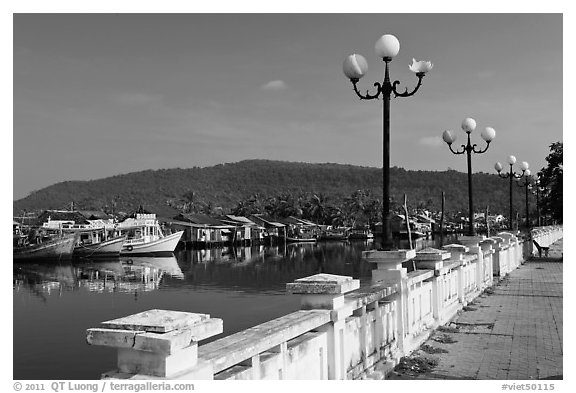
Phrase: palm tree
{"type": "Point", "coordinates": [284, 205]}
{"type": "Point", "coordinates": [336, 217]}
{"type": "Point", "coordinates": [316, 209]}
{"type": "Point", "coordinates": [252, 205]}
{"type": "Point", "coordinates": [355, 206]}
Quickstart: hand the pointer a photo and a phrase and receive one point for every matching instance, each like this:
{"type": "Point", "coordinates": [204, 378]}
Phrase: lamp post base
{"type": "Point", "coordinates": [387, 245]}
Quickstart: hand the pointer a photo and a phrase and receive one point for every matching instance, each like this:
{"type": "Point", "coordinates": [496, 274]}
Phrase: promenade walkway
{"type": "Point", "coordinates": [513, 331]}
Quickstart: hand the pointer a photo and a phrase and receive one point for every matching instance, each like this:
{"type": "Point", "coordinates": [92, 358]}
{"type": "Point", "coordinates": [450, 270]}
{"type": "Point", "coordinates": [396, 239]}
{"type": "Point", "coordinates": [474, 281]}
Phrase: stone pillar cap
{"type": "Point", "coordinates": [388, 256]}
{"type": "Point", "coordinates": [157, 321]}
{"type": "Point", "coordinates": [323, 284]}
{"type": "Point", "coordinates": [431, 254]}
{"type": "Point", "coordinates": [456, 247]}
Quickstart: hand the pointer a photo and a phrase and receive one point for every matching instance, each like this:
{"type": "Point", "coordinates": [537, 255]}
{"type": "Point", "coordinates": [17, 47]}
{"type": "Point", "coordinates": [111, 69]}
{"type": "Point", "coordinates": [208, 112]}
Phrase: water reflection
{"type": "Point", "coordinates": [246, 268]}
{"type": "Point", "coordinates": [115, 275]}
{"type": "Point", "coordinates": [258, 268]}
{"type": "Point", "coordinates": [243, 286]}
{"type": "Point", "coordinates": [268, 269]}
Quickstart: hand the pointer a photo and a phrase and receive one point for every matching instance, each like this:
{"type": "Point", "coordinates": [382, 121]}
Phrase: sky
{"type": "Point", "coordinates": [96, 95]}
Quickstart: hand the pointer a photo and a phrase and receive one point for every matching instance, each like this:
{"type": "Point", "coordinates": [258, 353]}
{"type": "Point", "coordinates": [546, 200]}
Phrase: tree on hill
{"type": "Point", "coordinates": [551, 181]}
{"type": "Point", "coordinates": [169, 191]}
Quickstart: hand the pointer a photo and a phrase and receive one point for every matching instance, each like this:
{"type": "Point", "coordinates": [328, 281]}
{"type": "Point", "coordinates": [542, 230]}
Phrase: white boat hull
{"type": "Point", "coordinates": [164, 245]}
{"type": "Point", "coordinates": [111, 247]}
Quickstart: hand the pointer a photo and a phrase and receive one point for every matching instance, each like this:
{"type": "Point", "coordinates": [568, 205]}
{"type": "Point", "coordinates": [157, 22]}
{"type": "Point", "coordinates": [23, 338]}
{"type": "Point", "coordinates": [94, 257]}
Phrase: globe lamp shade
{"type": "Point", "coordinates": [387, 46]}
{"type": "Point", "coordinates": [448, 137]}
{"type": "Point", "coordinates": [355, 67]}
{"type": "Point", "coordinates": [469, 124]}
{"type": "Point", "coordinates": [488, 134]}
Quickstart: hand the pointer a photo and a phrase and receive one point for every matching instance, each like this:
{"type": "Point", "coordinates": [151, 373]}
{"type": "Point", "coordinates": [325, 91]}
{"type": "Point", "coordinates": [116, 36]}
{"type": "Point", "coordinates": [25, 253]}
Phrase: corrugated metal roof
{"type": "Point", "coordinates": [198, 219]}
{"type": "Point", "coordinates": [94, 214]}
{"type": "Point", "coordinates": [62, 215]}
{"type": "Point", "coordinates": [241, 219]}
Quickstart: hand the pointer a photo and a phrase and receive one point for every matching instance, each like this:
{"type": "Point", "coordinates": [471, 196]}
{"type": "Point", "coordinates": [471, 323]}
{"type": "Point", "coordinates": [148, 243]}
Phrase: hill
{"type": "Point", "coordinates": [225, 185]}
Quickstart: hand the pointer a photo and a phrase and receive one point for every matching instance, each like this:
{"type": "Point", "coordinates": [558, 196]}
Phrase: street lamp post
{"type": "Point", "coordinates": [511, 175]}
{"type": "Point", "coordinates": [355, 67]}
{"type": "Point", "coordinates": [525, 182]}
{"type": "Point", "coordinates": [488, 134]}
{"type": "Point", "coordinates": [537, 187]}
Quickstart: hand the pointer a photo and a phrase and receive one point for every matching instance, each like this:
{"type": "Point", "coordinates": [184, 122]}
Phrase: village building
{"type": "Point", "coordinates": [272, 228]}
{"type": "Point", "coordinates": [201, 230]}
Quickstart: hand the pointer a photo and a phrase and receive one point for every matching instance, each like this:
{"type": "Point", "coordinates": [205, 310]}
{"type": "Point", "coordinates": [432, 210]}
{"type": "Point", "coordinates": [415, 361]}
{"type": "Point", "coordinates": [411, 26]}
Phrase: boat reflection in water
{"type": "Point", "coordinates": [128, 274]}
{"type": "Point", "coordinates": [244, 286]}
{"type": "Point", "coordinates": [118, 275]}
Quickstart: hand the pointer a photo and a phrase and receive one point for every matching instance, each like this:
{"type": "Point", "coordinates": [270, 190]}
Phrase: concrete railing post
{"type": "Point", "coordinates": [157, 344]}
{"type": "Point", "coordinates": [512, 241]}
{"type": "Point", "coordinates": [499, 257]}
{"type": "Point", "coordinates": [433, 259]}
{"type": "Point", "coordinates": [326, 291]}
{"type": "Point", "coordinates": [457, 252]}
{"type": "Point", "coordinates": [487, 246]}
{"type": "Point", "coordinates": [389, 272]}
{"type": "Point", "coordinates": [473, 244]}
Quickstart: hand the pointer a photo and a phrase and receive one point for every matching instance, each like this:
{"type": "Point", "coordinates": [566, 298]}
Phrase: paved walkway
{"type": "Point", "coordinates": [513, 331]}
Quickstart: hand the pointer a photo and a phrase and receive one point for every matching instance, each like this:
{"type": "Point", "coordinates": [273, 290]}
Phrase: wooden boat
{"type": "Point", "coordinates": [360, 234]}
{"type": "Point", "coordinates": [333, 235]}
{"type": "Point", "coordinates": [300, 239]}
{"type": "Point", "coordinates": [145, 237]}
{"type": "Point", "coordinates": [106, 248]}
{"type": "Point", "coordinates": [59, 248]}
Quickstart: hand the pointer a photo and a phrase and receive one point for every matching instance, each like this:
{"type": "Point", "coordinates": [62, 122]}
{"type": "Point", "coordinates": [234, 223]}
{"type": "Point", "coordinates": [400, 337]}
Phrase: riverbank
{"type": "Point", "coordinates": [512, 331]}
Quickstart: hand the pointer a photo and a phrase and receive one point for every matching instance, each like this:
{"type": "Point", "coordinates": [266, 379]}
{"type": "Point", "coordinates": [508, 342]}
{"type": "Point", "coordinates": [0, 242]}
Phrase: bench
{"type": "Point", "coordinates": [540, 249]}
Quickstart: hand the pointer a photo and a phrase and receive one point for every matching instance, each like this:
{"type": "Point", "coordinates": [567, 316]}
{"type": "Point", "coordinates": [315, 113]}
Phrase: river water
{"type": "Point", "coordinates": [55, 304]}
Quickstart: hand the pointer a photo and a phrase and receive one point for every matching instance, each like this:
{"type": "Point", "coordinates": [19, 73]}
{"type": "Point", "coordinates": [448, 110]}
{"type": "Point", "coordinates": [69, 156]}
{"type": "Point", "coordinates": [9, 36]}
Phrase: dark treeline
{"type": "Point", "coordinates": [226, 188]}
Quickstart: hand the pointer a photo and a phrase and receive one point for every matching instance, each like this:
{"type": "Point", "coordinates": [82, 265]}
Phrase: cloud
{"type": "Point", "coordinates": [433, 141]}
{"type": "Point", "coordinates": [136, 99]}
{"type": "Point", "coordinates": [275, 85]}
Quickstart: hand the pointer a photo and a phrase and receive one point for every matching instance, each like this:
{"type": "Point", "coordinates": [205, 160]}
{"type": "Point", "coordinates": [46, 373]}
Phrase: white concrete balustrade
{"type": "Point", "coordinates": [342, 331]}
{"type": "Point", "coordinates": [544, 236]}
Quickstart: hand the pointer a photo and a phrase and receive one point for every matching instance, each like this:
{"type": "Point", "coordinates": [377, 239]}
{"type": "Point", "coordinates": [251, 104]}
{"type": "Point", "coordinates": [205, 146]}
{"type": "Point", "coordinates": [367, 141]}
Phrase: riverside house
{"type": "Point", "coordinates": [247, 231]}
{"type": "Point", "coordinates": [201, 230]}
{"type": "Point", "coordinates": [272, 228]}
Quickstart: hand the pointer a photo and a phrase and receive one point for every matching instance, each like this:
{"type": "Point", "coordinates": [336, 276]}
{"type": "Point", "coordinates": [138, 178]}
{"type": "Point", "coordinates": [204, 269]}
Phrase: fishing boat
{"type": "Point", "coordinates": [300, 239]}
{"type": "Point", "coordinates": [93, 245]}
{"type": "Point", "coordinates": [144, 236]}
{"type": "Point", "coordinates": [360, 234]}
{"type": "Point", "coordinates": [57, 248]}
{"type": "Point", "coordinates": [333, 234]}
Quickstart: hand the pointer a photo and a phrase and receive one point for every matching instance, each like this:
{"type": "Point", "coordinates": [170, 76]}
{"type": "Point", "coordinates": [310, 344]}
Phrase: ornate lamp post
{"type": "Point", "coordinates": [525, 181]}
{"type": "Point", "coordinates": [488, 134]}
{"type": "Point", "coordinates": [537, 187]}
{"type": "Point", "coordinates": [355, 67]}
{"type": "Point", "coordinates": [511, 175]}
